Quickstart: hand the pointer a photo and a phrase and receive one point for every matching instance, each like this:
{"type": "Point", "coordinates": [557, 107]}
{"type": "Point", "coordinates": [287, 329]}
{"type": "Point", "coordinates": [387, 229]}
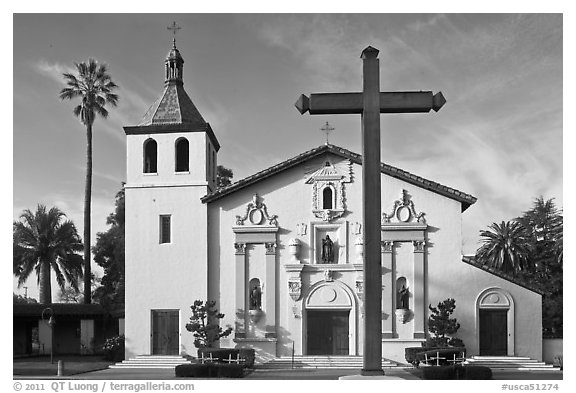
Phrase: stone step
{"type": "Point", "coordinates": [151, 361]}
{"type": "Point", "coordinates": [312, 362]}
{"type": "Point", "coordinates": [519, 363]}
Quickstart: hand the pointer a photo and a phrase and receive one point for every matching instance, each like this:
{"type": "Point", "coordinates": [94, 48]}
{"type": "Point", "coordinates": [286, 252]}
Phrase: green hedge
{"type": "Point", "coordinates": [411, 352]}
{"type": "Point", "coordinates": [194, 370]}
{"type": "Point", "coordinates": [447, 353]}
{"type": "Point", "coordinates": [221, 355]}
{"type": "Point", "coordinates": [209, 370]}
{"type": "Point", "coordinates": [456, 372]}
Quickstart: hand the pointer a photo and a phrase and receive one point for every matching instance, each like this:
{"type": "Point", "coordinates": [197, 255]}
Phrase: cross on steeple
{"type": "Point", "coordinates": [174, 29]}
{"type": "Point", "coordinates": [327, 129]}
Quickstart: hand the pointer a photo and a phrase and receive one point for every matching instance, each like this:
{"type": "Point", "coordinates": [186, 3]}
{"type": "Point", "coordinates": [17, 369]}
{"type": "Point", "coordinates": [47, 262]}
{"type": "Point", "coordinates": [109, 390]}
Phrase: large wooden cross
{"type": "Point", "coordinates": [370, 103]}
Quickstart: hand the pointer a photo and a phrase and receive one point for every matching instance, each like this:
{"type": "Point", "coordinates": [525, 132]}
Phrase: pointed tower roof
{"type": "Point", "coordinates": [174, 106]}
{"type": "Point", "coordinates": [173, 111]}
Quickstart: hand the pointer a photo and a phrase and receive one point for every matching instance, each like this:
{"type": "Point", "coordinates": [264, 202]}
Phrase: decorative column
{"type": "Point", "coordinates": [241, 292]}
{"type": "Point", "coordinates": [270, 291]}
{"type": "Point", "coordinates": [388, 289]}
{"type": "Point", "coordinates": [418, 289]}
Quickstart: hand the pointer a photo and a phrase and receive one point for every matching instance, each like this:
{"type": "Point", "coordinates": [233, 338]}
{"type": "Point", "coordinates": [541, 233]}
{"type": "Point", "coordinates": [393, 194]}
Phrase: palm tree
{"type": "Point", "coordinates": [43, 241]}
{"type": "Point", "coordinates": [94, 87]}
{"type": "Point", "coordinates": [504, 247]}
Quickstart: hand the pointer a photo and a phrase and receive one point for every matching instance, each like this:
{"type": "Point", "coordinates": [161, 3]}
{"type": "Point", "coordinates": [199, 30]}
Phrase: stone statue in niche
{"type": "Point", "coordinates": [327, 250]}
{"type": "Point", "coordinates": [403, 295]}
{"type": "Point", "coordinates": [256, 298]}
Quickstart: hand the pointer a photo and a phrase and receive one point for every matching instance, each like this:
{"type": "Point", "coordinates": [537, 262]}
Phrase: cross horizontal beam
{"type": "Point", "coordinates": [390, 102]}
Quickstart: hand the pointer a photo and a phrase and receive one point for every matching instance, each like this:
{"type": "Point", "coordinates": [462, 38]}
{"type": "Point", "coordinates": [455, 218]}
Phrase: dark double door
{"type": "Point", "coordinates": [165, 332]}
{"type": "Point", "coordinates": [327, 332]}
{"type": "Point", "coordinates": [493, 332]}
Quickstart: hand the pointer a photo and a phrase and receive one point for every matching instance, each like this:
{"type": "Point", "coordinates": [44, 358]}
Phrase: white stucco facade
{"type": "Point", "coordinates": [267, 230]}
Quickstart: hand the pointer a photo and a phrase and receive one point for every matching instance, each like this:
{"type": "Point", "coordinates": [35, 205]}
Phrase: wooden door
{"type": "Point", "coordinates": [165, 332]}
{"type": "Point", "coordinates": [327, 332]}
{"type": "Point", "coordinates": [493, 332]}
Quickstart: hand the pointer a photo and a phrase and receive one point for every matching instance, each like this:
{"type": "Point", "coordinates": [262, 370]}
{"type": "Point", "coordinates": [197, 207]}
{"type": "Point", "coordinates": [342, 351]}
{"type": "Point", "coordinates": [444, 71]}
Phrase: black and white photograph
{"type": "Point", "coordinates": [204, 197]}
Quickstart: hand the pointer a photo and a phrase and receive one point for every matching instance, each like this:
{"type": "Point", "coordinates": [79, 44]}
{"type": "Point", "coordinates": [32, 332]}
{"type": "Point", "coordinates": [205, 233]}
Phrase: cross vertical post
{"type": "Point", "coordinates": [370, 103]}
{"type": "Point", "coordinates": [371, 207]}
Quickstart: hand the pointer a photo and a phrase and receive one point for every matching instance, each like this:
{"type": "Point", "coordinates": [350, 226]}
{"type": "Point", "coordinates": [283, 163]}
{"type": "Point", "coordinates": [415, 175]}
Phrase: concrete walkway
{"type": "Point", "coordinates": [296, 374]}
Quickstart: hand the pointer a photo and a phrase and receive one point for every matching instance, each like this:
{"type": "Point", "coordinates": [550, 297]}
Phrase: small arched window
{"type": "Point", "coordinates": [327, 198]}
{"type": "Point", "coordinates": [150, 156]}
{"type": "Point", "coordinates": [182, 155]}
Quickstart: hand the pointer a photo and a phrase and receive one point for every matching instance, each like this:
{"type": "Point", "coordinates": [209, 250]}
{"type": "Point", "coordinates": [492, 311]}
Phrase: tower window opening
{"type": "Point", "coordinates": [327, 198]}
{"type": "Point", "coordinates": [150, 156]}
{"type": "Point", "coordinates": [182, 155]}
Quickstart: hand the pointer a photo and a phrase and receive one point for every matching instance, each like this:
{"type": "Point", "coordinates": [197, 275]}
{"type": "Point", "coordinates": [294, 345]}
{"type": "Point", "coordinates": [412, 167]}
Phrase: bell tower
{"type": "Point", "coordinates": [171, 164]}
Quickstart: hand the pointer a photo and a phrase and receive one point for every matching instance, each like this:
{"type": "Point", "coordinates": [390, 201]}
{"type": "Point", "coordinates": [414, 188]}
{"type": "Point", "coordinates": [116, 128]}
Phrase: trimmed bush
{"type": "Point", "coordinates": [457, 372]}
{"type": "Point", "coordinates": [477, 372]}
{"type": "Point", "coordinates": [218, 354]}
{"type": "Point", "coordinates": [410, 354]}
{"type": "Point", "coordinates": [196, 370]}
{"type": "Point", "coordinates": [230, 370]}
{"type": "Point", "coordinates": [447, 353]}
{"type": "Point", "coordinates": [439, 372]}
{"type": "Point", "coordinates": [249, 355]}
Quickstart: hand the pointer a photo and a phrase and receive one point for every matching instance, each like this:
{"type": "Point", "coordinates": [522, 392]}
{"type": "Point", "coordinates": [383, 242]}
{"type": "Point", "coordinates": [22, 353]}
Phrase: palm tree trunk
{"type": "Point", "coordinates": [87, 214]}
{"type": "Point", "coordinates": [45, 283]}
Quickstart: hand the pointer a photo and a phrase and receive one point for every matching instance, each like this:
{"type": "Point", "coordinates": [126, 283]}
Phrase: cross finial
{"type": "Point", "coordinates": [174, 28]}
{"type": "Point", "coordinates": [327, 129]}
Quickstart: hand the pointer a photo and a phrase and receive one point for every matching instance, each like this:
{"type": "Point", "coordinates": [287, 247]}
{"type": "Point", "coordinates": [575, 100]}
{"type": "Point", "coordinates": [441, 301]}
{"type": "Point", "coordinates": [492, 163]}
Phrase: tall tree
{"type": "Point", "coordinates": [544, 227]}
{"type": "Point", "coordinates": [93, 86]}
{"type": "Point", "coordinates": [223, 176]}
{"type": "Point", "coordinates": [45, 241]}
{"type": "Point", "coordinates": [504, 247]}
{"type": "Point", "coordinates": [109, 254]}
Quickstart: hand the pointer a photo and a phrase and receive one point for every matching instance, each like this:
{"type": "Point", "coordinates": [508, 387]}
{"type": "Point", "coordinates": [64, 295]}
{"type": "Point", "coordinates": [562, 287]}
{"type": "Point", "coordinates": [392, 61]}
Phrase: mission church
{"type": "Point", "coordinates": [281, 251]}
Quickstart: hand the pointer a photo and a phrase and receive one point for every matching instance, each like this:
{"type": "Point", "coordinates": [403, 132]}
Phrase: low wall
{"type": "Point", "coordinates": [551, 348]}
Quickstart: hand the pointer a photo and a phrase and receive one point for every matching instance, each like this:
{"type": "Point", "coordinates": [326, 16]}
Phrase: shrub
{"type": "Point", "coordinates": [457, 372]}
{"type": "Point", "coordinates": [447, 353]}
{"type": "Point", "coordinates": [204, 324]}
{"type": "Point", "coordinates": [230, 370]}
{"type": "Point", "coordinates": [113, 348]}
{"type": "Point", "coordinates": [197, 370]}
{"type": "Point", "coordinates": [477, 372]}
{"type": "Point", "coordinates": [442, 327]}
{"type": "Point", "coordinates": [249, 355]}
{"type": "Point", "coordinates": [218, 354]}
{"type": "Point", "coordinates": [439, 372]}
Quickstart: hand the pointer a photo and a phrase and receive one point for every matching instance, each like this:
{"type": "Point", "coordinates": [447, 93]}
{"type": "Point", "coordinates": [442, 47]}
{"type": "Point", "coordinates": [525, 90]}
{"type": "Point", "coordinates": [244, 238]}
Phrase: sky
{"type": "Point", "coordinates": [499, 137]}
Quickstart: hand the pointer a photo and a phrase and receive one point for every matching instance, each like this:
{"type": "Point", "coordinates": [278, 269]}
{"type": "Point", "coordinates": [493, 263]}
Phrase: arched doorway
{"type": "Point", "coordinates": [329, 320]}
{"type": "Point", "coordinates": [495, 323]}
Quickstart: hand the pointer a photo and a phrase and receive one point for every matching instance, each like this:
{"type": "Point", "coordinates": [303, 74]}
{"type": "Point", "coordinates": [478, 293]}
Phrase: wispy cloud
{"type": "Point", "coordinates": [53, 71]}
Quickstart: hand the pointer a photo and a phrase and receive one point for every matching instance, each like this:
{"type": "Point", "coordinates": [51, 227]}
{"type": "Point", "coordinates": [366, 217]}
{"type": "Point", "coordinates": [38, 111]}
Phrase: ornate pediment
{"type": "Point", "coordinates": [328, 190]}
{"type": "Point", "coordinates": [403, 211]}
{"type": "Point", "coordinates": [257, 214]}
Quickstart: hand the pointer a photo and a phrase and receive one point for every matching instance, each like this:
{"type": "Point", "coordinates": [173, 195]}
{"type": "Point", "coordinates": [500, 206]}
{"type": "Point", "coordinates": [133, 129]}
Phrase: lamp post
{"type": "Point", "coordinates": [51, 323]}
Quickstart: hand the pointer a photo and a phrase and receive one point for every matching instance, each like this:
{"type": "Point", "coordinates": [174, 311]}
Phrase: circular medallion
{"type": "Point", "coordinates": [403, 214]}
{"type": "Point", "coordinates": [494, 298]}
{"type": "Point", "coordinates": [256, 217]}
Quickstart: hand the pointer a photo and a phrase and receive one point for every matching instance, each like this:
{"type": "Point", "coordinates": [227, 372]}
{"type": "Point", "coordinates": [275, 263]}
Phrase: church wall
{"type": "Point", "coordinates": [288, 196]}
